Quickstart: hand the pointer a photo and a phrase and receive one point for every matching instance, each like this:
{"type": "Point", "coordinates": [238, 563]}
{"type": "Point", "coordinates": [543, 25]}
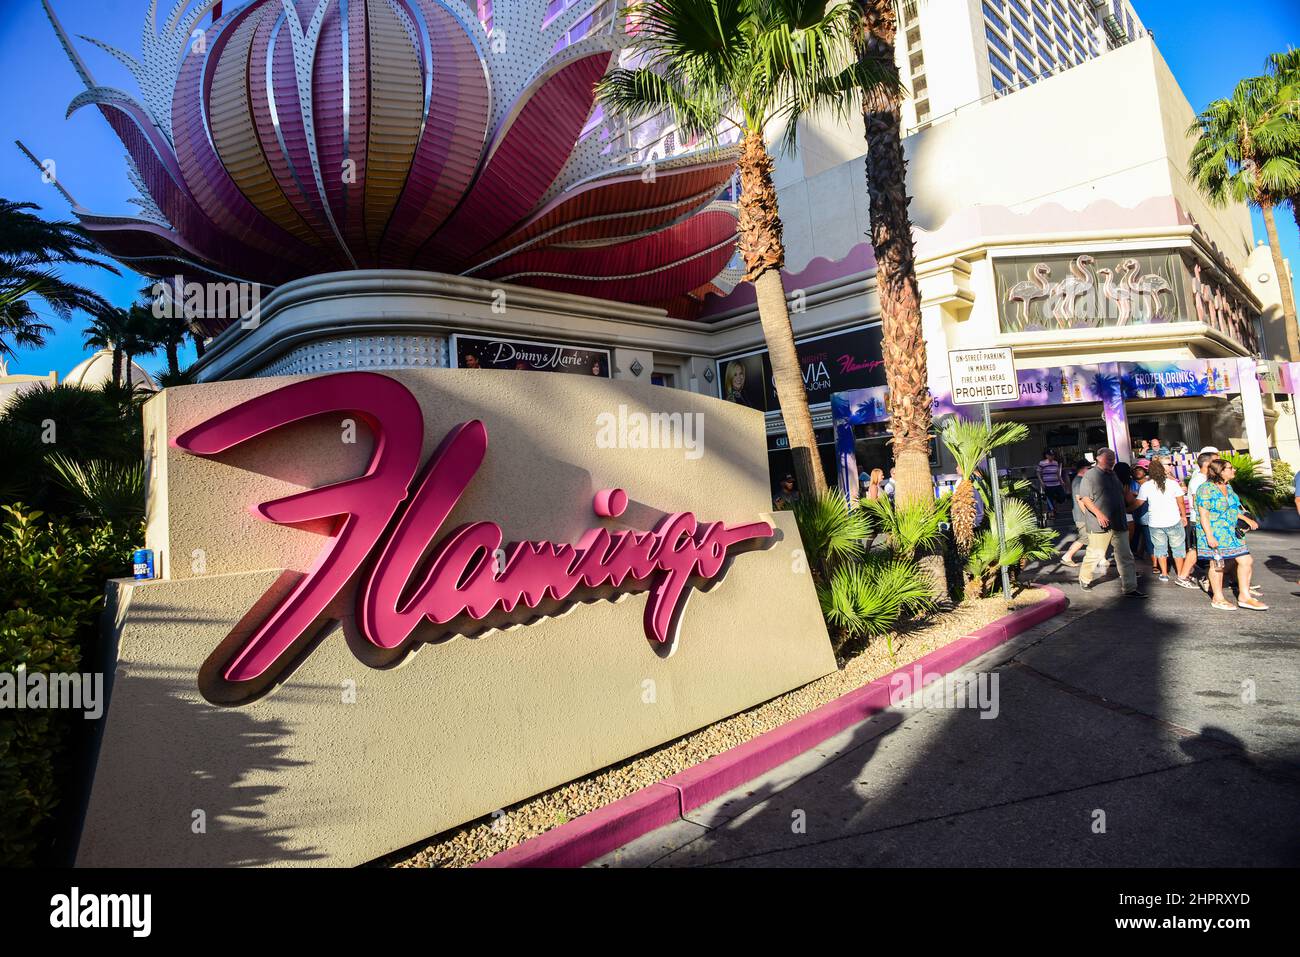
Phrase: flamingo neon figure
{"type": "Point", "coordinates": [1121, 295]}
{"type": "Point", "coordinates": [1079, 283]}
{"type": "Point", "coordinates": [1027, 291]}
{"type": "Point", "coordinates": [1146, 290]}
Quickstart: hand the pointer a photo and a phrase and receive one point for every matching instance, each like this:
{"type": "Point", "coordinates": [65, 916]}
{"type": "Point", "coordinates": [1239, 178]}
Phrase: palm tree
{"type": "Point", "coordinates": [1024, 542]}
{"type": "Point", "coordinates": [1241, 155]}
{"type": "Point", "coordinates": [107, 329]}
{"type": "Point", "coordinates": [20, 326]}
{"type": "Point", "coordinates": [1285, 69]}
{"type": "Point", "coordinates": [718, 65]}
{"type": "Point", "coordinates": [140, 336]}
{"type": "Point", "coordinates": [970, 443]}
{"type": "Point", "coordinates": [906, 367]}
{"type": "Point", "coordinates": [168, 329]}
{"type": "Point", "coordinates": [31, 249]}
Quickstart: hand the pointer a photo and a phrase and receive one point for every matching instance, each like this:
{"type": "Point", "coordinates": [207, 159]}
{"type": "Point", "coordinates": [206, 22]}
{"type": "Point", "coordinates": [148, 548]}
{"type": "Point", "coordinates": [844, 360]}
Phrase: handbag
{"type": "Point", "coordinates": [1242, 528]}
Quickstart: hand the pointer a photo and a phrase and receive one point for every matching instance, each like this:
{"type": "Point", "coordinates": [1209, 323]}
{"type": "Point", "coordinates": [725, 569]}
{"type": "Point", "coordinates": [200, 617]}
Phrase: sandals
{"type": "Point", "coordinates": [1253, 605]}
{"type": "Point", "coordinates": [1223, 605]}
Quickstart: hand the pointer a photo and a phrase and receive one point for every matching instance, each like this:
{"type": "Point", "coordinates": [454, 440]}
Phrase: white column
{"type": "Point", "coordinates": [1252, 411]}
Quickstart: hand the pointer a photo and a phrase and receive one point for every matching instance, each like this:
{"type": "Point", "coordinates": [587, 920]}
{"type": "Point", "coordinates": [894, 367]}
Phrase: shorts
{"type": "Point", "coordinates": [1168, 541]}
{"type": "Point", "coordinates": [1082, 529]}
{"type": "Point", "coordinates": [1191, 537]}
{"type": "Point", "coordinates": [1056, 494]}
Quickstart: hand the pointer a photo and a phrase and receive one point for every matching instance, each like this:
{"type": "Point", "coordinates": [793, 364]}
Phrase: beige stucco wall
{"type": "Point", "coordinates": [1112, 130]}
{"type": "Point", "coordinates": [460, 728]}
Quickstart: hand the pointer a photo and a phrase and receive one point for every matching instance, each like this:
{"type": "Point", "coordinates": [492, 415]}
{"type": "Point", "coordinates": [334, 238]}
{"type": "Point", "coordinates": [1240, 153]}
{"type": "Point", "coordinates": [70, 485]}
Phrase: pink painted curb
{"type": "Point", "coordinates": [610, 827]}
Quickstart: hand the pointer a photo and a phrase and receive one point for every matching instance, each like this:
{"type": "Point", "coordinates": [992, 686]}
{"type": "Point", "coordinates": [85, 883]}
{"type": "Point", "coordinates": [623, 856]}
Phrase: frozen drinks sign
{"type": "Point", "coordinates": [982, 375]}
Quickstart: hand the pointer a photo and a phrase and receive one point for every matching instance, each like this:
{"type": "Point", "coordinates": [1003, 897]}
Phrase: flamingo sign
{"type": "Point", "coordinates": [1087, 290]}
{"type": "Point", "coordinates": [390, 603]}
{"type": "Point", "coordinates": [390, 517]}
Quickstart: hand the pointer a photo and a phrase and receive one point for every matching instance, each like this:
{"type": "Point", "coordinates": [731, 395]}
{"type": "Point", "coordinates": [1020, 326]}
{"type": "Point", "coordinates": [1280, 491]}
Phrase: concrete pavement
{"type": "Point", "coordinates": [1127, 733]}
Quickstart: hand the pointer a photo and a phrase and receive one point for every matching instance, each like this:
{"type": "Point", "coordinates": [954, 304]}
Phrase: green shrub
{"type": "Point", "coordinates": [1283, 485]}
{"type": "Point", "coordinates": [52, 576]}
{"type": "Point", "coordinates": [866, 599]}
{"type": "Point", "coordinates": [1252, 485]}
{"type": "Point", "coordinates": [84, 425]}
{"type": "Point", "coordinates": [31, 742]}
{"type": "Point", "coordinates": [863, 591]}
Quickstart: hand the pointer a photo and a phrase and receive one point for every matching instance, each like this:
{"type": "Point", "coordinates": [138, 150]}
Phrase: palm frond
{"type": "Point", "coordinates": [832, 532]}
{"type": "Point", "coordinates": [866, 599]}
{"type": "Point", "coordinates": [970, 442]}
{"type": "Point", "coordinates": [107, 491]}
{"type": "Point", "coordinates": [913, 530]}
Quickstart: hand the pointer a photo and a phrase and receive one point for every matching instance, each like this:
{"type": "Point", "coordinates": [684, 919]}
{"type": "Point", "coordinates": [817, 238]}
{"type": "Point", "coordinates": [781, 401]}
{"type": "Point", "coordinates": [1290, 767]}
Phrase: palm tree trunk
{"type": "Point", "coordinates": [198, 346]}
{"type": "Point", "coordinates": [117, 366]}
{"type": "Point", "coordinates": [173, 357]}
{"type": "Point", "coordinates": [906, 364]}
{"type": "Point", "coordinates": [1283, 280]}
{"type": "Point", "coordinates": [760, 243]}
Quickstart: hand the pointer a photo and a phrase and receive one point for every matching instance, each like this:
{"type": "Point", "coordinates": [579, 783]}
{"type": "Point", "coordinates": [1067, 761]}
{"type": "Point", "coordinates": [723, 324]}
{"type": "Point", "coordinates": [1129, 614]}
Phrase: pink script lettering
{"type": "Point", "coordinates": [462, 578]}
{"type": "Point", "coordinates": [850, 363]}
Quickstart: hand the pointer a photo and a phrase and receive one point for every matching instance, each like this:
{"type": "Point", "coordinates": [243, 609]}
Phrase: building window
{"type": "Point", "coordinates": [1027, 53]}
{"type": "Point", "coordinates": [1027, 71]}
{"type": "Point", "coordinates": [991, 15]}
{"type": "Point", "coordinates": [998, 63]}
{"type": "Point", "coordinates": [1000, 86]}
{"type": "Point", "coordinates": [998, 43]}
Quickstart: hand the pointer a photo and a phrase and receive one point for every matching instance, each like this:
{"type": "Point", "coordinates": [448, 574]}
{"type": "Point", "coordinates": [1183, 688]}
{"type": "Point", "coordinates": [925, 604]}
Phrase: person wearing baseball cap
{"type": "Point", "coordinates": [788, 496]}
{"type": "Point", "coordinates": [1105, 506]}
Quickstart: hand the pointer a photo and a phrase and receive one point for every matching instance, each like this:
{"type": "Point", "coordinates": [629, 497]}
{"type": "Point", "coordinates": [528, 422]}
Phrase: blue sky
{"type": "Point", "coordinates": [1208, 45]}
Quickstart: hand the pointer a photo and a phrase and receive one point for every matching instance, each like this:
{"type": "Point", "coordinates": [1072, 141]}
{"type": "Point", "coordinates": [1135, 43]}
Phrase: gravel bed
{"type": "Point", "coordinates": [480, 839]}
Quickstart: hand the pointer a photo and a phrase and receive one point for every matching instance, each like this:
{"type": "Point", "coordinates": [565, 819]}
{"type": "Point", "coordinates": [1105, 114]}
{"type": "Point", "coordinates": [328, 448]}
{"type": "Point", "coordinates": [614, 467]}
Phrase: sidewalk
{"type": "Point", "coordinates": [1122, 714]}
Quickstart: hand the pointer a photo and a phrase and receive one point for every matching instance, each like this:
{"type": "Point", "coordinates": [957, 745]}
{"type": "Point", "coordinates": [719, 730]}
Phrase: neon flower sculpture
{"type": "Point", "coordinates": [286, 138]}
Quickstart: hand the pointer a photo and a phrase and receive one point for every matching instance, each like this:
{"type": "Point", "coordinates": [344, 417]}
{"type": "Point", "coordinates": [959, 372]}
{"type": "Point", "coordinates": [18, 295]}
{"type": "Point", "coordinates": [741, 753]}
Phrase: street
{"type": "Point", "coordinates": [1127, 733]}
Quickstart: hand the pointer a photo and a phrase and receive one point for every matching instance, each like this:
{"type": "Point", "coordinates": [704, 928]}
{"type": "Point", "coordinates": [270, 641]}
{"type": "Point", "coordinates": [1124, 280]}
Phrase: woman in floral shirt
{"type": "Point", "coordinates": [1219, 508]}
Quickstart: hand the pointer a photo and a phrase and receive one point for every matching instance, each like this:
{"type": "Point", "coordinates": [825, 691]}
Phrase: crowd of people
{"type": "Point", "coordinates": [1143, 513]}
{"type": "Point", "coordinates": [1193, 537]}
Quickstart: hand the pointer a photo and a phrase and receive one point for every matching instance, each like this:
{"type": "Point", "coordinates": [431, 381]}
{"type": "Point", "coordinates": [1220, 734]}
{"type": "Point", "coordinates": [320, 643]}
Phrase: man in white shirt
{"type": "Point", "coordinates": [1203, 461]}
